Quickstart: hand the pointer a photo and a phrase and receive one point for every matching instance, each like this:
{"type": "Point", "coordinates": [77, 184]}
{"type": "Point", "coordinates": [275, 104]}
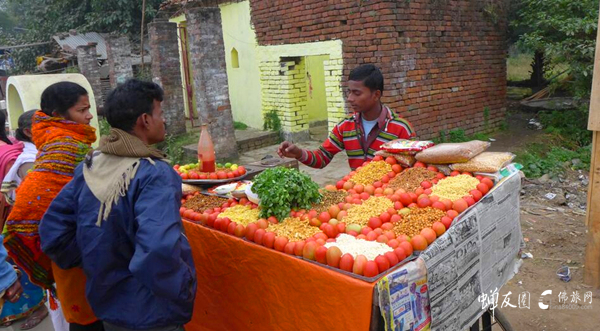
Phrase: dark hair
{"type": "Point", "coordinates": [3, 135]}
{"type": "Point", "coordinates": [59, 97]}
{"type": "Point", "coordinates": [25, 121]}
{"type": "Point", "coordinates": [369, 75]}
{"type": "Point", "coordinates": [129, 101]}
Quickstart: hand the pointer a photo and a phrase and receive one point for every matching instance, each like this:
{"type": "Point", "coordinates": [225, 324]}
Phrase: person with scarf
{"type": "Point", "coordinates": [9, 152]}
{"type": "Point", "coordinates": [119, 219]}
{"type": "Point", "coordinates": [31, 304]}
{"type": "Point", "coordinates": [63, 137]}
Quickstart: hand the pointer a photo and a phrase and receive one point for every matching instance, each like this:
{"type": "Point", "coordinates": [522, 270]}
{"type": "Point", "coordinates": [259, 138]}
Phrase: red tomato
{"type": "Point", "coordinates": [400, 254]}
{"type": "Point", "coordinates": [289, 248]}
{"type": "Point", "coordinates": [347, 262]}
{"type": "Point", "coordinates": [251, 230]}
{"type": "Point", "coordinates": [397, 168]}
{"type": "Point", "coordinates": [407, 247]}
{"type": "Point", "coordinates": [432, 168]}
{"type": "Point", "coordinates": [242, 170]}
{"type": "Point", "coordinates": [460, 205]}
{"type": "Point", "coordinates": [324, 217]}
{"type": "Point", "coordinates": [477, 195]}
{"type": "Point", "coordinates": [469, 199]}
{"type": "Point", "coordinates": [372, 236]}
{"type": "Point", "coordinates": [385, 217]}
{"type": "Point", "coordinates": [391, 160]}
{"type": "Point", "coordinates": [339, 185]}
{"type": "Point", "coordinates": [377, 184]}
{"type": "Point", "coordinates": [230, 175]}
{"type": "Point", "coordinates": [272, 220]}
{"type": "Point", "coordinates": [383, 239]}
{"type": "Point", "coordinates": [371, 269]}
{"type": "Point", "coordinates": [259, 236]}
{"type": "Point", "coordinates": [236, 173]}
{"type": "Point", "coordinates": [359, 265]}
{"type": "Point", "coordinates": [334, 255]}
{"type": "Point", "coordinates": [262, 223]}
{"type": "Point", "coordinates": [231, 228]}
{"type": "Point", "coordinates": [446, 221]}
{"type": "Point", "coordinates": [452, 213]}
{"type": "Point", "coordinates": [366, 230]}
{"type": "Point", "coordinates": [439, 205]}
{"type": "Point", "coordinates": [385, 179]}
{"type": "Point", "coordinates": [398, 205]}
{"type": "Point", "coordinates": [299, 247]}
{"type": "Point", "coordinates": [395, 218]}
{"type": "Point", "coordinates": [419, 165]}
{"type": "Point", "coordinates": [309, 250]}
{"type": "Point", "coordinates": [392, 258]}
{"type": "Point", "coordinates": [425, 185]}
{"type": "Point", "coordinates": [455, 173]}
{"type": "Point", "coordinates": [483, 188]}
{"type": "Point", "coordinates": [184, 176]}
{"type": "Point", "coordinates": [213, 175]}
{"type": "Point", "coordinates": [439, 228]}
{"type": "Point", "coordinates": [269, 240]}
{"type": "Point", "coordinates": [364, 196]}
{"type": "Point", "coordinates": [393, 243]}
{"type": "Point", "coordinates": [321, 254]}
{"type": "Point", "coordinates": [382, 263]}
{"type": "Point", "coordinates": [374, 222]}
{"type": "Point", "coordinates": [424, 202]}
{"type": "Point", "coordinates": [377, 158]}
{"type": "Point", "coordinates": [405, 199]}
{"type": "Point", "coordinates": [387, 226]}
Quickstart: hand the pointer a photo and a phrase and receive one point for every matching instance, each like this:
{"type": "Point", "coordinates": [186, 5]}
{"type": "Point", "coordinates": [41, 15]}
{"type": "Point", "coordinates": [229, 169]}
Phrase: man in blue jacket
{"type": "Point", "coordinates": [119, 219]}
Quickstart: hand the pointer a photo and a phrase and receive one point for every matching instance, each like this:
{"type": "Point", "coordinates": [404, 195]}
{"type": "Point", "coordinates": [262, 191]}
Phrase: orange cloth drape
{"type": "Point", "coordinates": [243, 286]}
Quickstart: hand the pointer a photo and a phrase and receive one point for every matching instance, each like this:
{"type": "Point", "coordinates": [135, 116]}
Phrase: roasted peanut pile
{"type": "Point", "coordinates": [294, 229]}
{"type": "Point", "coordinates": [330, 198]}
{"type": "Point", "coordinates": [241, 214]}
{"type": "Point", "coordinates": [373, 206]}
{"type": "Point", "coordinates": [411, 179]}
{"type": "Point", "coordinates": [454, 188]}
{"type": "Point", "coordinates": [371, 173]}
{"type": "Point", "coordinates": [201, 202]}
{"type": "Point", "coordinates": [417, 220]}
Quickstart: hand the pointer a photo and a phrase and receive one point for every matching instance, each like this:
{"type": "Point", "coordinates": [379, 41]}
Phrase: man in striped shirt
{"type": "Point", "coordinates": [360, 134]}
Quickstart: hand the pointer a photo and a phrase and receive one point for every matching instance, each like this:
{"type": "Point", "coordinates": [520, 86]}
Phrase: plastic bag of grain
{"type": "Point", "coordinates": [406, 146]}
{"type": "Point", "coordinates": [189, 189]}
{"type": "Point", "coordinates": [489, 162]}
{"type": "Point", "coordinates": [448, 153]}
{"type": "Point", "coordinates": [404, 160]}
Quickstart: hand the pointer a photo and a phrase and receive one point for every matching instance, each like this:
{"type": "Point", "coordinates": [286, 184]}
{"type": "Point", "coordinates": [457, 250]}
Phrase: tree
{"type": "Point", "coordinates": [565, 32]}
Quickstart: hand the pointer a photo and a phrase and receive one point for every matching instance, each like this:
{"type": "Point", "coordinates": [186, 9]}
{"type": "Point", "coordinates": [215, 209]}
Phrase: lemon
{"type": "Point", "coordinates": [234, 167]}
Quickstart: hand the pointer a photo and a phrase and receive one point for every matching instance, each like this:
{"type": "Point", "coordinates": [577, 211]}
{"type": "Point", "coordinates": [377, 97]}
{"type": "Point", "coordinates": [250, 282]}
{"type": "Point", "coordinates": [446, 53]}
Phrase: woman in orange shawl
{"type": "Point", "coordinates": [63, 136]}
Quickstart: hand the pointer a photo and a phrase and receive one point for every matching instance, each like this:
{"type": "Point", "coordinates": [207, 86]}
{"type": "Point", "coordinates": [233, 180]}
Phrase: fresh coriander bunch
{"type": "Point", "coordinates": [281, 189]}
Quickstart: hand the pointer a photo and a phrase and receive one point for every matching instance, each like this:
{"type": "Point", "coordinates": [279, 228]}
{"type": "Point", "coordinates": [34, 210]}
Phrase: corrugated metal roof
{"type": "Point", "coordinates": [70, 42]}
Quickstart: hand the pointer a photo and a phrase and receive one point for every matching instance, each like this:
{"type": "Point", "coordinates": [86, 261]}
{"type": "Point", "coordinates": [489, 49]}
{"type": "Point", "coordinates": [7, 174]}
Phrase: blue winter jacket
{"type": "Point", "coordinates": [138, 263]}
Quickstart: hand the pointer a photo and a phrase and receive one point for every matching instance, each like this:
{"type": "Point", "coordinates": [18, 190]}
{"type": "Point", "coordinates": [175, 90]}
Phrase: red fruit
{"type": "Point", "coordinates": [231, 228]}
{"type": "Point", "coordinates": [289, 248]}
{"type": "Point", "coordinates": [395, 218]}
{"type": "Point", "coordinates": [439, 228]}
{"type": "Point", "coordinates": [371, 269]}
{"type": "Point", "coordinates": [390, 234]}
{"type": "Point", "coordinates": [280, 243]}
{"type": "Point", "coordinates": [405, 199]}
{"type": "Point", "coordinates": [330, 230]}
{"type": "Point", "coordinates": [309, 250]}
{"type": "Point", "coordinates": [240, 231]}
{"type": "Point", "coordinates": [424, 202]}
{"type": "Point", "coordinates": [341, 228]}
{"type": "Point", "coordinates": [393, 243]}
{"type": "Point", "coordinates": [429, 234]}
{"type": "Point", "coordinates": [334, 255]}
{"type": "Point", "coordinates": [383, 239]}
{"type": "Point", "coordinates": [400, 254]}
{"type": "Point", "coordinates": [425, 185]}
{"type": "Point", "coordinates": [321, 254]}
{"type": "Point", "coordinates": [359, 265]}
{"type": "Point", "coordinates": [476, 194]}
{"type": "Point", "coordinates": [446, 221]}
{"type": "Point", "coordinates": [366, 230]}
{"type": "Point", "coordinates": [391, 160]}
{"type": "Point", "coordinates": [427, 191]}
{"type": "Point", "coordinates": [452, 213]}
{"type": "Point", "coordinates": [455, 173]}
{"type": "Point", "coordinates": [398, 205]}
{"type": "Point", "coordinates": [364, 196]}
{"type": "Point", "coordinates": [397, 168]}
{"type": "Point", "coordinates": [299, 247]}
{"type": "Point", "coordinates": [447, 203]}
{"type": "Point", "coordinates": [413, 198]}
{"type": "Point", "coordinates": [262, 223]}
{"type": "Point", "coordinates": [432, 168]}
{"type": "Point", "coordinates": [347, 262]}
{"type": "Point", "coordinates": [407, 247]}
{"type": "Point", "coordinates": [315, 222]}
{"type": "Point", "coordinates": [439, 205]}
{"type": "Point", "coordinates": [339, 185]}
{"type": "Point", "coordinates": [379, 231]}
{"type": "Point", "coordinates": [259, 236]}
{"type": "Point", "coordinates": [218, 224]}
{"type": "Point", "coordinates": [483, 188]}
{"type": "Point", "coordinates": [418, 242]}
{"type": "Point", "coordinates": [377, 158]}
{"type": "Point", "coordinates": [374, 222]}
{"type": "Point", "coordinates": [392, 258]}
{"type": "Point", "coordinates": [372, 236]}
{"type": "Point", "coordinates": [419, 165]}
{"type": "Point", "coordinates": [440, 176]}
{"type": "Point", "coordinates": [385, 217]}
{"type": "Point", "coordinates": [387, 226]}
{"type": "Point", "coordinates": [469, 199]}
{"type": "Point", "coordinates": [352, 233]}
{"type": "Point", "coordinates": [488, 182]}
{"type": "Point", "coordinates": [382, 263]}
{"type": "Point", "coordinates": [460, 205]}
{"type": "Point", "coordinates": [419, 191]}
{"type": "Point", "coordinates": [269, 240]}
{"type": "Point", "coordinates": [361, 236]}
{"type": "Point", "coordinates": [324, 217]}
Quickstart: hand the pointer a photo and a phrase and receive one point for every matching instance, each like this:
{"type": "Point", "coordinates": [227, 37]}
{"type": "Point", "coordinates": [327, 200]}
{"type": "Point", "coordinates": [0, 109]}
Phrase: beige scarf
{"type": "Point", "coordinates": [109, 170]}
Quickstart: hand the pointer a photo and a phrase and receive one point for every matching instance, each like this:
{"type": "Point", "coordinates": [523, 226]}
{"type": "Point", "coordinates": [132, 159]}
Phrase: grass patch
{"type": "Point", "coordinates": [239, 125]}
{"type": "Point", "coordinates": [519, 67]}
{"type": "Point", "coordinates": [173, 147]}
{"type": "Point", "coordinates": [459, 136]}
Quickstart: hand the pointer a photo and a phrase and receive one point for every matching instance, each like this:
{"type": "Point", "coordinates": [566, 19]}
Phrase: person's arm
{"type": "Point", "coordinates": [160, 245]}
{"type": "Point", "coordinates": [24, 169]}
{"type": "Point", "coordinates": [58, 229]}
{"type": "Point", "coordinates": [319, 158]}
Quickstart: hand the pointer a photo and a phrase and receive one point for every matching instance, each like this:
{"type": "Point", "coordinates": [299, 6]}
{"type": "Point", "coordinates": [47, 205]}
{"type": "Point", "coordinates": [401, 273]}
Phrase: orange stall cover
{"type": "Point", "coordinates": [244, 286]}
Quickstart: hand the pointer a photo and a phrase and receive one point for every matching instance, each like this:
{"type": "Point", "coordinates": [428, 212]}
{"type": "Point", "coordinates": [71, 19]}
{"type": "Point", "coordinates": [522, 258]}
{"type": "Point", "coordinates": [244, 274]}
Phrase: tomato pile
{"type": "Point", "coordinates": [420, 213]}
{"type": "Point", "coordinates": [191, 171]}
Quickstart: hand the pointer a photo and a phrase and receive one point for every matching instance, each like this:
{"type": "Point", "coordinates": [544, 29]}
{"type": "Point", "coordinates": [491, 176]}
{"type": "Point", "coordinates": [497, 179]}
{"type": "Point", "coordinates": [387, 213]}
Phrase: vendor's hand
{"type": "Point", "coordinates": [13, 293]}
{"type": "Point", "coordinates": [287, 149]}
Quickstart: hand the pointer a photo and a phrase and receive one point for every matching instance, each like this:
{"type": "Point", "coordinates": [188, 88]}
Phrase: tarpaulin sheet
{"type": "Point", "coordinates": [244, 286]}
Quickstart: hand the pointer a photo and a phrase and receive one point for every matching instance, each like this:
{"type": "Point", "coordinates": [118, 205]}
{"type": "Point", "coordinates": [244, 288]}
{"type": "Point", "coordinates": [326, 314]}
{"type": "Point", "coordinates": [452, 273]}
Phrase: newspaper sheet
{"type": "Point", "coordinates": [476, 255]}
{"type": "Point", "coordinates": [403, 298]}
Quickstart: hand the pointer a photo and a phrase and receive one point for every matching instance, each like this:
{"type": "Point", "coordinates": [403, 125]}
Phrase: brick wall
{"type": "Point", "coordinates": [209, 77]}
{"type": "Point", "coordinates": [87, 61]}
{"type": "Point", "coordinates": [443, 61]}
{"type": "Point", "coordinates": [119, 59]}
{"type": "Point", "coordinates": [166, 72]}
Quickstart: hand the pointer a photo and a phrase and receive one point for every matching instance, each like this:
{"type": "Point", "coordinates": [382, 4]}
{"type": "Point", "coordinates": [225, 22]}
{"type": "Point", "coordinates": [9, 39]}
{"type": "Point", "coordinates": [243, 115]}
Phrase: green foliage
{"type": "Point", "coordinates": [144, 74]}
{"type": "Point", "coordinates": [272, 121]}
{"type": "Point", "coordinates": [541, 158]}
{"type": "Point", "coordinates": [569, 125]}
{"type": "Point", "coordinates": [281, 189]}
{"type": "Point", "coordinates": [239, 125]}
{"type": "Point", "coordinates": [173, 147]}
{"type": "Point", "coordinates": [104, 126]}
{"type": "Point", "coordinates": [459, 136]}
{"type": "Point", "coordinates": [565, 31]}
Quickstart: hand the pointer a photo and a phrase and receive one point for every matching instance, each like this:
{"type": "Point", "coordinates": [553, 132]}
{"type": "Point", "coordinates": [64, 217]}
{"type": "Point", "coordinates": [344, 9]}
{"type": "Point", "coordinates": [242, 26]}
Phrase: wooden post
{"type": "Point", "coordinates": [591, 275]}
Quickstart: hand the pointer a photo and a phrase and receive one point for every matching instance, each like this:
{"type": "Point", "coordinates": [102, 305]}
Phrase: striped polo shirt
{"type": "Point", "coordinates": [349, 135]}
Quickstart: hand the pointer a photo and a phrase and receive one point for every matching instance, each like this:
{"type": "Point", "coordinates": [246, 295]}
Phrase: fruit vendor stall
{"type": "Point", "coordinates": [409, 240]}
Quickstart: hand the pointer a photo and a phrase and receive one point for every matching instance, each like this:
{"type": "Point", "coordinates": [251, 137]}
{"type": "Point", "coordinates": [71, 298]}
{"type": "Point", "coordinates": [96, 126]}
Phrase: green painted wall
{"type": "Point", "coordinates": [244, 81]}
{"type": "Point", "coordinates": [315, 87]}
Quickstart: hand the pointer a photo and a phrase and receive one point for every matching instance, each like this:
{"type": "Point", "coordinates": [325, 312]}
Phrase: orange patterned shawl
{"type": "Point", "coordinates": [62, 145]}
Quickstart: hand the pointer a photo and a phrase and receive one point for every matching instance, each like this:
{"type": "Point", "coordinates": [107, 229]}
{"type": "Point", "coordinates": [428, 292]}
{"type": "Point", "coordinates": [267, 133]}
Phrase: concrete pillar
{"type": "Point", "coordinates": [87, 60]}
{"type": "Point", "coordinates": [166, 72]}
{"type": "Point", "coordinates": [209, 76]}
{"type": "Point", "coordinates": [119, 59]}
